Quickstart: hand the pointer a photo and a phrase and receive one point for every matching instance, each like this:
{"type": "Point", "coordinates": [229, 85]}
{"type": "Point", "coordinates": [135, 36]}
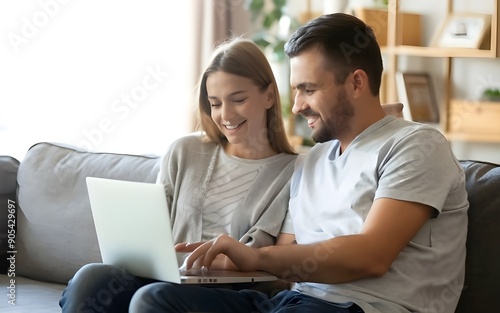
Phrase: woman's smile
{"type": "Point", "coordinates": [233, 126]}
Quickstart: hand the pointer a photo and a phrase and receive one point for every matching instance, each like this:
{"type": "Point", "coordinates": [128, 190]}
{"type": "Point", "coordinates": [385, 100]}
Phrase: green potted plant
{"type": "Point", "coordinates": [491, 94]}
{"type": "Point", "coordinates": [266, 16]}
{"type": "Point", "coordinates": [272, 27]}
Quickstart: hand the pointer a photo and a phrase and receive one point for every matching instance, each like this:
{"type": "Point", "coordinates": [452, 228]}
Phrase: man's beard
{"type": "Point", "coordinates": [339, 121]}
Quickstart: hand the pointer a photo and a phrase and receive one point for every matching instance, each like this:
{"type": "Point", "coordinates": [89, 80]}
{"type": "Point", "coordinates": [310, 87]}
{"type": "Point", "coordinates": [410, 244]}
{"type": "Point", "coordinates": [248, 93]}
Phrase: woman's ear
{"type": "Point", "coordinates": [270, 96]}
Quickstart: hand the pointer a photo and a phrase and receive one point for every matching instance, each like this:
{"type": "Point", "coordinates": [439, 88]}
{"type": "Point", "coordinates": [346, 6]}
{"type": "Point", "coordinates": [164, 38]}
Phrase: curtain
{"type": "Point", "coordinates": [214, 21]}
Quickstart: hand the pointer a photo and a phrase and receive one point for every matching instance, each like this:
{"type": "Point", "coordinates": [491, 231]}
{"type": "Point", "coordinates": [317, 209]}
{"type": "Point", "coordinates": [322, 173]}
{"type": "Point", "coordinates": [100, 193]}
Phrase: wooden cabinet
{"type": "Point", "coordinates": [474, 121]}
{"type": "Point", "coordinates": [460, 119]}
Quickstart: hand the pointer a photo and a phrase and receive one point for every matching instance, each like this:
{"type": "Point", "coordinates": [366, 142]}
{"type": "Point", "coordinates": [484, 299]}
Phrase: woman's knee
{"type": "Point", "coordinates": [91, 269]}
{"type": "Point", "coordinates": [99, 273]}
{"type": "Point", "coordinates": [97, 284]}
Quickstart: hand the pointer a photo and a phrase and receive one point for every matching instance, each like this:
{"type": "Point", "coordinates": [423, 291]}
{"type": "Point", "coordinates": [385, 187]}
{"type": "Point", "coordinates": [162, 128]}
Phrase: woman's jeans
{"type": "Point", "coordinates": [100, 288]}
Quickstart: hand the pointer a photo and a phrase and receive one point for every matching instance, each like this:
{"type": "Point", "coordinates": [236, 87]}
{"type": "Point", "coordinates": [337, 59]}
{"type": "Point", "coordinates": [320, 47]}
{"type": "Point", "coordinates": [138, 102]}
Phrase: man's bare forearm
{"type": "Point", "coordinates": [337, 260]}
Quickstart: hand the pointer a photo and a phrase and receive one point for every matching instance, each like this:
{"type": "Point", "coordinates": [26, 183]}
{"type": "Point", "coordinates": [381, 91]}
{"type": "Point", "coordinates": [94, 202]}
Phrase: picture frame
{"type": "Point", "coordinates": [416, 92]}
{"type": "Point", "coordinates": [462, 30]}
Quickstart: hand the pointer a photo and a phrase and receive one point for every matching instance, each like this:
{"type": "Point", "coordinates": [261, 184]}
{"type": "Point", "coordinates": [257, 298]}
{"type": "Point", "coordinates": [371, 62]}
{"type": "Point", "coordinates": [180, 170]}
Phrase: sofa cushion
{"type": "Point", "coordinates": [482, 275]}
{"type": "Point", "coordinates": [32, 296]}
{"type": "Point", "coordinates": [8, 173]}
{"type": "Point", "coordinates": [56, 233]}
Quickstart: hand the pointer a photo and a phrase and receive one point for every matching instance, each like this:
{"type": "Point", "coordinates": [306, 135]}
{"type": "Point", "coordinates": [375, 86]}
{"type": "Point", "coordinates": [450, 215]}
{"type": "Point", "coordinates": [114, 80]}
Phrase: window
{"type": "Point", "coordinates": [103, 75]}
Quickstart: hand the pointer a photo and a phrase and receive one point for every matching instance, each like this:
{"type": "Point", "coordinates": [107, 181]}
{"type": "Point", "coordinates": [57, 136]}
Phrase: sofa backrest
{"type": "Point", "coordinates": [56, 234]}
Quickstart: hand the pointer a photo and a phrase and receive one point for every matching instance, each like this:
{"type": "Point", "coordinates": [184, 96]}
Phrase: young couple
{"type": "Point", "coordinates": [377, 208]}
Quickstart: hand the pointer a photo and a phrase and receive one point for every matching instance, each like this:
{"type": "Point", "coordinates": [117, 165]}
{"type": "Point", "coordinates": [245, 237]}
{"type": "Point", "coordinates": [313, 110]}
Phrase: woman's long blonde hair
{"type": "Point", "coordinates": [244, 58]}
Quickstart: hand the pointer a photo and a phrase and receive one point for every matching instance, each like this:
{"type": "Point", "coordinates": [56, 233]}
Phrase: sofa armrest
{"type": "Point", "coordinates": [394, 109]}
{"type": "Point", "coordinates": [482, 272]}
{"type": "Point", "coordinates": [8, 185]}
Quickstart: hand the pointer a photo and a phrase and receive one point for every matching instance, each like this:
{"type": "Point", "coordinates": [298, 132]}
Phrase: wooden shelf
{"type": "Point", "coordinates": [486, 138]}
{"type": "Point", "coordinates": [439, 52]}
{"type": "Point", "coordinates": [474, 120]}
{"type": "Point", "coordinates": [459, 119]}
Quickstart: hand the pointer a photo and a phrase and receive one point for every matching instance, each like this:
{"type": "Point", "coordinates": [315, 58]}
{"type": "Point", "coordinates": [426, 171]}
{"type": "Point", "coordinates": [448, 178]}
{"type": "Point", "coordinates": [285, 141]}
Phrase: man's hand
{"type": "Point", "coordinates": [187, 246]}
{"type": "Point", "coordinates": [220, 262]}
{"type": "Point", "coordinates": [209, 254]}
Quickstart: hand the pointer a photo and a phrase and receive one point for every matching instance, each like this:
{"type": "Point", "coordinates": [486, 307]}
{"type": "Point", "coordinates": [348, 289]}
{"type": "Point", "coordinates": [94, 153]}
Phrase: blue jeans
{"type": "Point", "coordinates": [100, 288]}
{"type": "Point", "coordinates": [169, 297]}
{"type": "Point", "coordinates": [104, 288]}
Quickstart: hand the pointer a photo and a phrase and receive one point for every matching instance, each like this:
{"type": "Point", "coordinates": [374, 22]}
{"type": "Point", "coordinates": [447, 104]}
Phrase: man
{"type": "Point", "coordinates": [378, 206]}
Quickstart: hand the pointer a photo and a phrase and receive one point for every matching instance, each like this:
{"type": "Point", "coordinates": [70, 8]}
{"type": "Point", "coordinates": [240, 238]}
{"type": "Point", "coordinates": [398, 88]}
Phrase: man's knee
{"type": "Point", "coordinates": [147, 297]}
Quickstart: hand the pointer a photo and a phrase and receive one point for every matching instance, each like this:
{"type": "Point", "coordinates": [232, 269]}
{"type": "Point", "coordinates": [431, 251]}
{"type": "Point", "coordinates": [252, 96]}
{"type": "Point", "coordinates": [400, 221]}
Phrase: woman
{"type": "Point", "coordinates": [232, 179]}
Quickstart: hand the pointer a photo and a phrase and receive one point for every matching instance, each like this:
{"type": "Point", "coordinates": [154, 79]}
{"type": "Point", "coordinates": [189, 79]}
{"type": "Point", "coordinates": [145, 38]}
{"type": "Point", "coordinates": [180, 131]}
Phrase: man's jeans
{"type": "Point", "coordinates": [169, 297]}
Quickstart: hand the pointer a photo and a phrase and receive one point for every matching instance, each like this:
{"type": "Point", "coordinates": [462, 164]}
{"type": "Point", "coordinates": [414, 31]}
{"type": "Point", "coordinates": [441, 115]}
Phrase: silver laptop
{"type": "Point", "coordinates": [134, 232]}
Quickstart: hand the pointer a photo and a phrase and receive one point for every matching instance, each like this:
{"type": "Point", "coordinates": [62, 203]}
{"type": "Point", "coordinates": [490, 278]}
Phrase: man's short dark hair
{"type": "Point", "coordinates": [347, 43]}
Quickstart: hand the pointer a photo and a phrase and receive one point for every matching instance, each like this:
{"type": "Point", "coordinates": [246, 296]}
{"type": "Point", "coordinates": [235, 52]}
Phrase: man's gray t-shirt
{"type": "Point", "coordinates": [331, 195]}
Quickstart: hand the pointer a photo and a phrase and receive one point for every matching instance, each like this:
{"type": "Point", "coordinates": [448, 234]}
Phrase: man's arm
{"type": "Point", "coordinates": [388, 228]}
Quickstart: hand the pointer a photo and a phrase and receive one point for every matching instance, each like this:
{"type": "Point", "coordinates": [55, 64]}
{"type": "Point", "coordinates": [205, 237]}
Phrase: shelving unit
{"type": "Point", "coordinates": [460, 119]}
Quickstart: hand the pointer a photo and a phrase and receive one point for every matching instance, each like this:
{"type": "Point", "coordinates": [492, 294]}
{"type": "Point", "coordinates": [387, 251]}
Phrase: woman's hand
{"type": "Point", "coordinates": [209, 254]}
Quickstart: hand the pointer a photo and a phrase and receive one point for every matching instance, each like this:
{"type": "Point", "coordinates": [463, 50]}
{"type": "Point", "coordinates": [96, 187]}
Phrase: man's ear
{"type": "Point", "coordinates": [359, 82]}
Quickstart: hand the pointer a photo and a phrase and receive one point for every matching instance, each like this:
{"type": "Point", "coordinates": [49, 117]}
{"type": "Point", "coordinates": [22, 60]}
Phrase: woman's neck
{"type": "Point", "coordinates": [253, 152]}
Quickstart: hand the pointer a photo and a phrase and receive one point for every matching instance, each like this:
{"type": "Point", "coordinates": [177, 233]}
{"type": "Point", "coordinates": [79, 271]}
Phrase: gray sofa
{"type": "Point", "coordinates": [55, 233]}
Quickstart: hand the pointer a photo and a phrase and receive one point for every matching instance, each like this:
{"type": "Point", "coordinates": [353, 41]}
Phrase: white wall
{"type": "Point", "coordinates": [103, 75]}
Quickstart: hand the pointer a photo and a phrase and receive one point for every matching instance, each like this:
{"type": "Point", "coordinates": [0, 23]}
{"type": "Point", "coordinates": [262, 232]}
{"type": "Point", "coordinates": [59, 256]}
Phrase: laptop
{"type": "Point", "coordinates": [134, 232]}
